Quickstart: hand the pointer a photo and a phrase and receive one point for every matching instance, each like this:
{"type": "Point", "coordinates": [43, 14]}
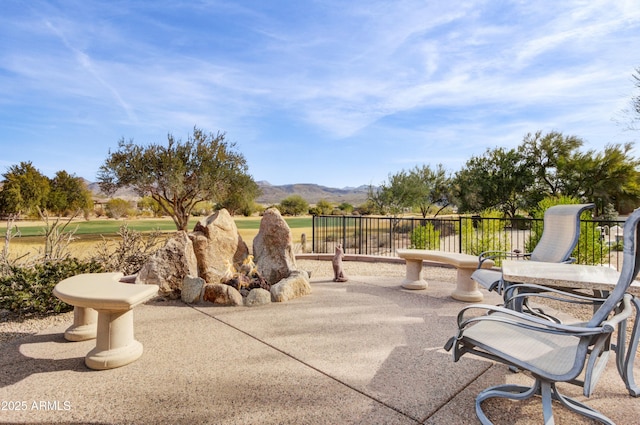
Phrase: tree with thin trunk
{"type": "Point", "coordinates": [177, 175]}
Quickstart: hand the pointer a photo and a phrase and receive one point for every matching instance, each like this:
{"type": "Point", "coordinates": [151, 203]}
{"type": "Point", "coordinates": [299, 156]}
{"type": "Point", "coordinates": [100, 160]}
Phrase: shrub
{"type": "Point", "coordinates": [117, 208]}
{"type": "Point", "coordinates": [425, 237]}
{"type": "Point", "coordinates": [323, 207]}
{"type": "Point", "coordinates": [479, 236]}
{"type": "Point", "coordinates": [129, 253]}
{"type": "Point", "coordinates": [346, 208]}
{"type": "Point", "coordinates": [28, 290]}
{"type": "Point", "coordinates": [293, 205]}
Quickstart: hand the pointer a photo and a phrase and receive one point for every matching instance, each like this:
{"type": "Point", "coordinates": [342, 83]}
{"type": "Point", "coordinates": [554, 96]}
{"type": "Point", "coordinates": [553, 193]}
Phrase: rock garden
{"type": "Point", "coordinates": [213, 264]}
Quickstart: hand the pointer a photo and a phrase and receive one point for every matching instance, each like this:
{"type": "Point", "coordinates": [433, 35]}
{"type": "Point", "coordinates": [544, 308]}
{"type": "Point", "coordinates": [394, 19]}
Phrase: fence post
{"type": "Point", "coordinates": [460, 233]}
{"type": "Point", "coordinates": [314, 237]}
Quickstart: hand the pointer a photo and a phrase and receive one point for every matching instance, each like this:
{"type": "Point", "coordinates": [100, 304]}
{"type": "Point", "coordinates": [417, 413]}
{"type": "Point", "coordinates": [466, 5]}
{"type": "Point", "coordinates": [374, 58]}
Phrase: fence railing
{"type": "Point", "coordinates": [600, 242]}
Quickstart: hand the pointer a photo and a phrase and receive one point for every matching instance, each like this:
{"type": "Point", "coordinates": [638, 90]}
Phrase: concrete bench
{"type": "Point", "coordinates": [466, 289]}
{"type": "Point", "coordinates": [103, 309]}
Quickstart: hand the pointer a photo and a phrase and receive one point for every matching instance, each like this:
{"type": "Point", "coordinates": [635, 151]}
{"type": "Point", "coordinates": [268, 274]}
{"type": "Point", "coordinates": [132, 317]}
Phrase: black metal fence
{"type": "Point", "coordinates": [600, 242]}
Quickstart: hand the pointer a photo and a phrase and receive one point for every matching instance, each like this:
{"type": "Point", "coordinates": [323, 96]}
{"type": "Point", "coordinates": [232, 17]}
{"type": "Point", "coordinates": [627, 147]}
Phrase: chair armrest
{"type": "Point", "coordinates": [624, 314]}
{"type": "Point", "coordinates": [490, 255]}
{"type": "Point", "coordinates": [525, 321]}
{"type": "Point", "coordinates": [512, 293]}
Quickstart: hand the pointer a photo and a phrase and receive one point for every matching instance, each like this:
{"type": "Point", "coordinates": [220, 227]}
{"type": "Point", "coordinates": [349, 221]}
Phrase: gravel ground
{"type": "Point", "coordinates": [12, 327]}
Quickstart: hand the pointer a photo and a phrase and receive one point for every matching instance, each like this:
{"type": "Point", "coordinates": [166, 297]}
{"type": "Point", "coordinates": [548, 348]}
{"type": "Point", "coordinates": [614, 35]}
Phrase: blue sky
{"type": "Point", "coordinates": [338, 93]}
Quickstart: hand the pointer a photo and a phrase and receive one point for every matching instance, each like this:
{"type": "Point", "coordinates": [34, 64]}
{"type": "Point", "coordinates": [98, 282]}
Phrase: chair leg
{"type": "Point", "coordinates": [547, 391]}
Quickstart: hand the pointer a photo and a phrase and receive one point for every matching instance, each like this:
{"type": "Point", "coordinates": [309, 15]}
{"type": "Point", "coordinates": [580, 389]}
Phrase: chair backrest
{"type": "Point", "coordinates": [560, 233]}
{"type": "Point", "coordinates": [629, 271]}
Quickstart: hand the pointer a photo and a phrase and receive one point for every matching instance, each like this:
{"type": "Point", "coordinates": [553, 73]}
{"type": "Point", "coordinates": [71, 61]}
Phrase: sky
{"type": "Point", "coordinates": [332, 92]}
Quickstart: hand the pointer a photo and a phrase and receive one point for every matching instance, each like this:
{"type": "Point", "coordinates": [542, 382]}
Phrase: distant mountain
{"type": "Point", "coordinates": [272, 194]}
{"type": "Point", "coordinates": [124, 193]}
{"type": "Point", "coordinates": [311, 193]}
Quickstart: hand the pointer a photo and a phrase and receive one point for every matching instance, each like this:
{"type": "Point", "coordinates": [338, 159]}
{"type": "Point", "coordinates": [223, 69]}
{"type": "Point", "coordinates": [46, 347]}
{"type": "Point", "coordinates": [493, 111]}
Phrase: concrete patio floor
{"type": "Point", "coordinates": [360, 352]}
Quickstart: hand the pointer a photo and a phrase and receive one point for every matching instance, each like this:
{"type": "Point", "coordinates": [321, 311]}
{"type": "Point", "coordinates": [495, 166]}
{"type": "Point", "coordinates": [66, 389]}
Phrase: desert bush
{"type": "Point", "coordinates": [293, 205]}
{"type": "Point", "coordinates": [479, 236]}
{"type": "Point", "coordinates": [425, 237]}
{"type": "Point", "coordinates": [346, 208]}
{"type": "Point", "coordinates": [323, 207]}
{"type": "Point", "coordinates": [129, 252]}
{"type": "Point", "coordinates": [117, 208]}
{"type": "Point", "coordinates": [28, 290]}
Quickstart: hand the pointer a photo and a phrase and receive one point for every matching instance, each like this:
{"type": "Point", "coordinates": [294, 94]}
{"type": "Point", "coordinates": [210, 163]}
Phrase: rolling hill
{"type": "Point", "coordinates": [312, 193]}
{"type": "Point", "coordinates": [274, 194]}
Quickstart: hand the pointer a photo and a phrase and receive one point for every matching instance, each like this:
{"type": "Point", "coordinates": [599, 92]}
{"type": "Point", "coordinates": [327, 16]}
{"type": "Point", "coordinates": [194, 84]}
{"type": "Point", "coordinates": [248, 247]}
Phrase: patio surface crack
{"type": "Point", "coordinates": [333, 378]}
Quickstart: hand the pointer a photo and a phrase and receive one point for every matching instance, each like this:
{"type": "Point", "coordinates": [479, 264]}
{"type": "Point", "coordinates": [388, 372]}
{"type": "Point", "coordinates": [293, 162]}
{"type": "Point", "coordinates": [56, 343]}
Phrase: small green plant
{"type": "Point", "coordinates": [484, 235]}
{"type": "Point", "coordinates": [425, 237]}
{"type": "Point", "coordinates": [28, 290]}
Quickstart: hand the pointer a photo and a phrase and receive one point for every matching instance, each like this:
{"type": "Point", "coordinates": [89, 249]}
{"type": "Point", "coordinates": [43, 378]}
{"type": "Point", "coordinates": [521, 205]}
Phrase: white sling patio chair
{"type": "Point", "coordinates": [560, 236]}
{"type": "Point", "coordinates": [549, 351]}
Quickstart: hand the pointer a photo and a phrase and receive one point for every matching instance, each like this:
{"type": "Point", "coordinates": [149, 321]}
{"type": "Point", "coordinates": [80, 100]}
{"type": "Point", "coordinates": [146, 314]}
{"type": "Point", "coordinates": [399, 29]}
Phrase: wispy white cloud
{"type": "Point", "coordinates": [468, 75]}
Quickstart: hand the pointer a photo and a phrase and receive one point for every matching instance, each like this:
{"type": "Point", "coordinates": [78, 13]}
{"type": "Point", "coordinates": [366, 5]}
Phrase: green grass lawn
{"type": "Point", "coordinates": [109, 227]}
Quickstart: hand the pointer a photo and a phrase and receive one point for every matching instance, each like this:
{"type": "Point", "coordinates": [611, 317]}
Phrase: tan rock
{"type": "Point", "coordinates": [168, 267]}
{"type": "Point", "coordinates": [273, 247]}
{"type": "Point", "coordinates": [192, 289]}
{"type": "Point", "coordinates": [217, 246]}
{"type": "Point", "coordinates": [219, 293]}
{"type": "Point", "coordinates": [294, 286]}
{"type": "Point", "coordinates": [257, 296]}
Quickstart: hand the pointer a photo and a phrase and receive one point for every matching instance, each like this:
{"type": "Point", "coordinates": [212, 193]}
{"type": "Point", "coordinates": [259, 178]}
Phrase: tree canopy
{"type": "Point", "coordinates": [499, 179]}
{"type": "Point", "coordinates": [421, 187]}
{"type": "Point", "coordinates": [179, 174]}
{"type": "Point", "coordinates": [24, 190]}
{"type": "Point", "coordinates": [68, 194]}
{"type": "Point", "coordinates": [549, 165]}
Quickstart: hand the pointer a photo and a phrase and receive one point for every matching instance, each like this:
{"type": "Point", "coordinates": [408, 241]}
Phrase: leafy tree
{"type": "Point", "coordinates": [550, 157]}
{"type": "Point", "coordinates": [293, 205]}
{"type": "Point", "coordinates": [24, 190]}
{"type": "Point", "coordinates": [611, 176]}
{"type": "Point", "coordinates": [499, 179]}
{"type": "Point", "coordinates": [429, 188]}
{"type": "Point", "coordinates": [421, 187]}
{"type": "Point", "coordinates": [241, 194]}
{"type": "Point", "coordinates": [179, 175]}
{"type": "Point", "coordinates": [377, 201]}
{"type": "Point", "coordinates": [68, 194]}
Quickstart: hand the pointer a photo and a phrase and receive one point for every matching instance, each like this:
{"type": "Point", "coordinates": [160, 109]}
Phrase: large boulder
{"type": "Point", "coordinates": [273, 248]}
{"type": "Point", "coordinates": [217, 246]}
{"type": "Point", "coordinates": [168, 267]}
